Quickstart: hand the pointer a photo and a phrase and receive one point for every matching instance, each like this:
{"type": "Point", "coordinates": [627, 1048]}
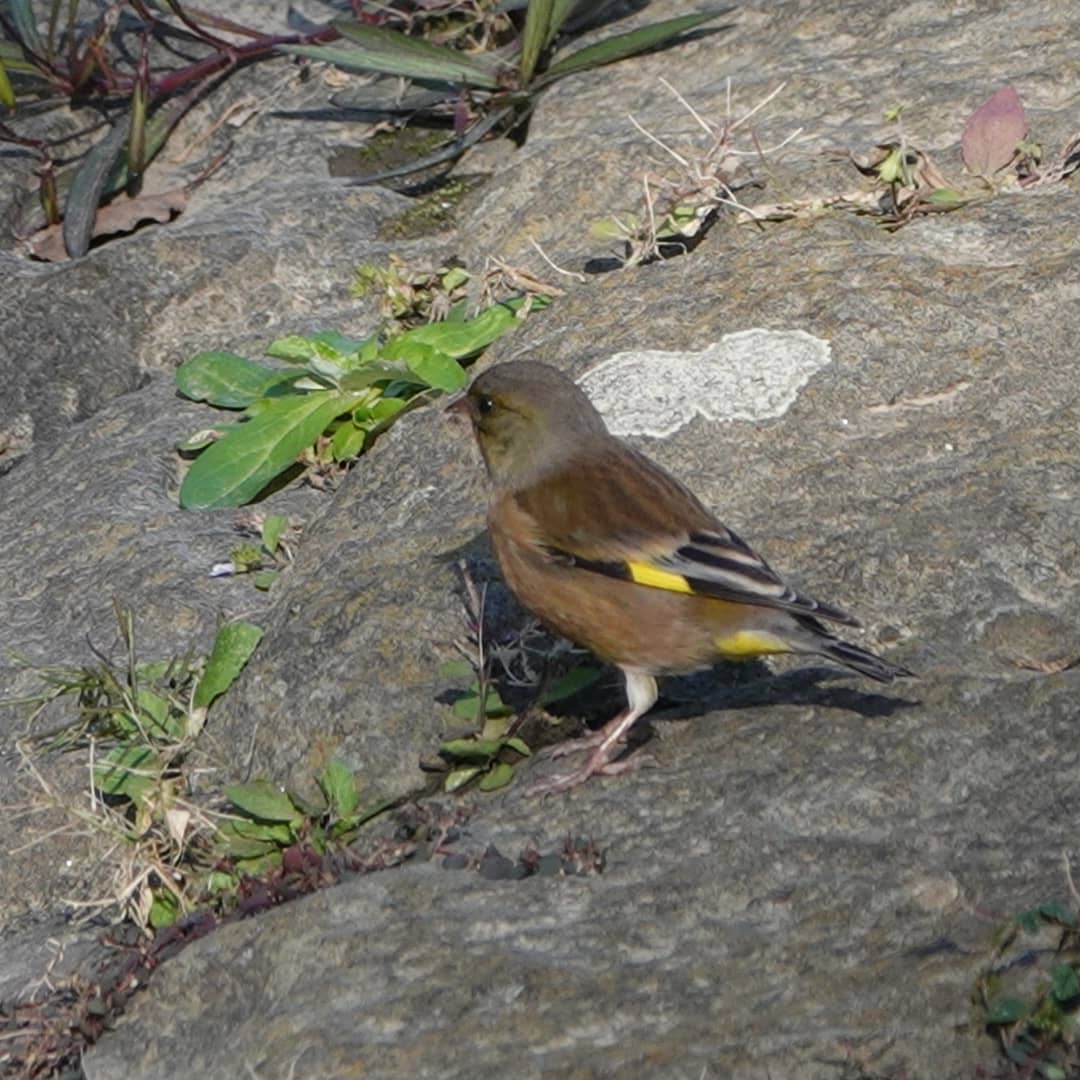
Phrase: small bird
{"type": "Point", "coordinates": [608, 549]}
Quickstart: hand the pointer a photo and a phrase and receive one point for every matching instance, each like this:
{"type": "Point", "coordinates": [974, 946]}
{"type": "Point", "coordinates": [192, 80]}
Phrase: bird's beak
{"type": "Point", "coordinates": [458, 405]}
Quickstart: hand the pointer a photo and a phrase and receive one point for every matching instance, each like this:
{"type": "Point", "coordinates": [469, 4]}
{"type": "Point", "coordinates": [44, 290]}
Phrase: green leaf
{"type": "Point", "coordinates": [458, 671]}
{"type": "Point", "coordinates": [1029, 920]}
{"type": "Point", "coordinates": [274, 525]}
{"type": "Point", "coordinates": [164, 909]}
{"type": "Point", "coordinates": [1058, 912]}
{"type": "Point", "coordinates": [1066, 983]}
{"type": "Point", "coordinates": [624, 45]}
{"type": "Point", "coordinates": [130, 771]}
{"type": "Point", "coordinates": [458, 778]}
{"type": "Point", "coordinates": [471, 749]}
{"type": "Point", "coordinates": [233, 646]}
{"type": "Point", "coordinates": [394, 53]}
{"type": "Point", "coordinates": [341, 345]}
{"type": "Point", "coordinates": [339, 786]}
{"type": "Point", "coordinates": [236, 468]}
{"type": "Point", "coordinates": [467, 707]}
{"type": "Point", "coordinates": [262, 800]}
{"type": "Point", "coordinates": [514, 743]}
{"type": "Point", "coordinates": [293, 348]}
{"type": "Point", "coordinates": [263, 579]}
{"type": "Point", "coordinates": [158, 716]}
{"type": "Point", "coordinates": [348, 441]}
{"type": "Point", "coordinates": [7, 92]}
{"type": "Point", "coordinates": [1006, 1010]}
{"type": "Point", "coordinates": [21, 13]}
{"type": "Point", "coordinates": [499, 775]}
{"type": "Point", "coordinates": [534, 37]}
{"type": "Point", "coordinates": [373, 372]}
{"type": "Point", "coordinates": [569, 684]}
{"type": "Point", "coordinates": [438, 370]}
{"type": "Point", "coordinates": [459, 340]}
{"type": "Point", "coordinates": [227, 380]}
{"type": "Point", "coordinates": [87, 187]}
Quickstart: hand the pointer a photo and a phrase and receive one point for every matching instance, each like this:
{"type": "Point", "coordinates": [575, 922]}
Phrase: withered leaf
{"type": "Point", "coordinates": [122, 215]}
{"type": "Point", "coordinates": [992, 133]}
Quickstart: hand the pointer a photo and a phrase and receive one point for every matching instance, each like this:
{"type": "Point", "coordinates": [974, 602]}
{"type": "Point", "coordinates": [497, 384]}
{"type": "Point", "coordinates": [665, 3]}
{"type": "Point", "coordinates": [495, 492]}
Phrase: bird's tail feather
{"type": "Point", "coordinates": [862, 660]}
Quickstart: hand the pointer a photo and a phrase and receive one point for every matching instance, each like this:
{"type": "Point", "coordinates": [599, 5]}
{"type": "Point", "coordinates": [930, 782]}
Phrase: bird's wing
{"type": "Point", "coordinates": [640, 524]}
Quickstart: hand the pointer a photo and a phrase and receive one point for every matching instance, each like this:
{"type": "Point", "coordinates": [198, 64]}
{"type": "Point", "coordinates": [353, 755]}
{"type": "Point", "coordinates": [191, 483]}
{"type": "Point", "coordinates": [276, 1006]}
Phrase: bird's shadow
{"type": "Point", "coordinates": [725, 686]}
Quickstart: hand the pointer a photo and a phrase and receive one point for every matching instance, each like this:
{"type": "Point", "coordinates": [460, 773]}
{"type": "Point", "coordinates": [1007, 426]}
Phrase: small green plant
{"type": "Point", "coordinates": [138, 722]}
{"type": "Point", "coordinates": [408, 296]}
{"type": "Point", "coordinates": [268, 828]}
{"type": "Point", "coordinates": [489, 755]}
{"type": "Point", "coordinates": [479, 94]}
{"type": "Point", "coordinates": [264, 559]}
{"type": "Point", "coordinates": [1030, 995]}
{"type": "Point", "coordinates": [326, 409]}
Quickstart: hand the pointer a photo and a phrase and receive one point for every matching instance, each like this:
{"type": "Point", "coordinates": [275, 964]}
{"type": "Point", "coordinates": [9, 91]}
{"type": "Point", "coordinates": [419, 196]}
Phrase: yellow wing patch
{"type": "Point", "coordinates": [644, 574]}
{"type": "Point", "coordinates": [744, 644]}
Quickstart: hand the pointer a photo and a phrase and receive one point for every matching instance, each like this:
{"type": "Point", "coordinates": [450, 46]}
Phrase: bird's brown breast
{"type": "Point", "coordinates": [622, 622]}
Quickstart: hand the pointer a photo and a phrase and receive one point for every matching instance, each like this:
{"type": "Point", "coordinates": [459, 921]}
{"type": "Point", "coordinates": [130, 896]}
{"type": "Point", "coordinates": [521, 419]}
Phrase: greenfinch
{"type": "Point", "coordinates": [608, 549]}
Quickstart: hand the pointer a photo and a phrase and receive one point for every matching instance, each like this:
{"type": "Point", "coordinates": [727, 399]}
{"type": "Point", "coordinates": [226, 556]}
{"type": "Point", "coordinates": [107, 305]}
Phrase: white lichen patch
{"type": "Point", "coordinates": [750, 375]}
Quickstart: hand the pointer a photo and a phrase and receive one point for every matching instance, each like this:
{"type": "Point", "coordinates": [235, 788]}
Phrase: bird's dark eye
{"type": "Point", "coordinates": [485, 406]}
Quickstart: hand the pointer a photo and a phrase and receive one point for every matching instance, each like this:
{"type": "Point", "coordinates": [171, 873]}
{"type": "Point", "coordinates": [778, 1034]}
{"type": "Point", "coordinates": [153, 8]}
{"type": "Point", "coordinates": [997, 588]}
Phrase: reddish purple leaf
{"type": "Point", "coordinates": [992, 133]}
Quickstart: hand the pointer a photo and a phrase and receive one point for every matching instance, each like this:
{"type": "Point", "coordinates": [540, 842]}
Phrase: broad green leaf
{"type": "Point", "coordinates": [130, 771]}
{"type": "Point", "coordinates": [348, 441]}
{"type": "Point", "coordinates": [458, 778]}
{"type": "Point", "coordinates": [261, 865]}
{"type": "Point", "coordinates": [279, 833]}
{"type": "Point", "coordinates": [294, 348]}
{"type": "Point", "coordinates": [262, 800]}
{"type": "Point", "coordinates": [376, 371]}
{"type": "Point", "coordinates": [1006, 1010]}
{"type": "Point", "coordinates": [519, 745]}
{"type": "Point", "coordinates": [227, 380]}
{"type": "Point", "coordinates": [569, 684]}
{"type": "Point", "coordinates": [164, 909]}
{"type": "Point", "coordinates": [339, 343]}
{"type": "Point", "coordinates": [233, 646]}
{"type": "Point", "coordinates": [458, 340]}
{"type": "Point", "coordinates": [499, 775]}
{"type": "Point", "coordinates": [387, 408]}
{"type": "Point", "coordinates": [236, 468]}
{"type": "Point", "coordinates": [273, 526]}
{"type": "Point", "coordinates": [1066, 983]}
{"type": "Point", "coordinates": [339, 786]}
{"type": "Point", "coordinates": [439, 371]}
{"type": "Point", "coordinates": [471, 749]}
{"type": "Point", "coordinates": [394, 53]}
{"type": "Point", "coordinates": [623, 45]}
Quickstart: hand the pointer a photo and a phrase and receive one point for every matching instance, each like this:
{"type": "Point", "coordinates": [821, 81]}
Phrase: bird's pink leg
{"type": "Point", "coordinates": [641, 696]}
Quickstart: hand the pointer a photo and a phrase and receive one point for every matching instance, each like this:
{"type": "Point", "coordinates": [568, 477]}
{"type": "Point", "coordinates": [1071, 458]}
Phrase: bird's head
{"type": "Point", "coordinates": [529, 419]}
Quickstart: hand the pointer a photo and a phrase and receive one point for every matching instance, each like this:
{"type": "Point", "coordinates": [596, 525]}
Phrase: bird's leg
{"type": "Point", "coordinates": [640, 696]}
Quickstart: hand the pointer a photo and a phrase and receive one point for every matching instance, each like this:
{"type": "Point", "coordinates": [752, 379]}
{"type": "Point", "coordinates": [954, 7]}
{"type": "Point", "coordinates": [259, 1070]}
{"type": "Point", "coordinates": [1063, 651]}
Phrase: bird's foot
{"type": "Point", "coordinates": [597, 764]}
{"type": "Point", "coordinates": [574, 746]}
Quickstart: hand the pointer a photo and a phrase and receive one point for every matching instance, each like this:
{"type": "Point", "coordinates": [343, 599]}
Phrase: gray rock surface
{"type": "Point", "coordinates": [808, 883]}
